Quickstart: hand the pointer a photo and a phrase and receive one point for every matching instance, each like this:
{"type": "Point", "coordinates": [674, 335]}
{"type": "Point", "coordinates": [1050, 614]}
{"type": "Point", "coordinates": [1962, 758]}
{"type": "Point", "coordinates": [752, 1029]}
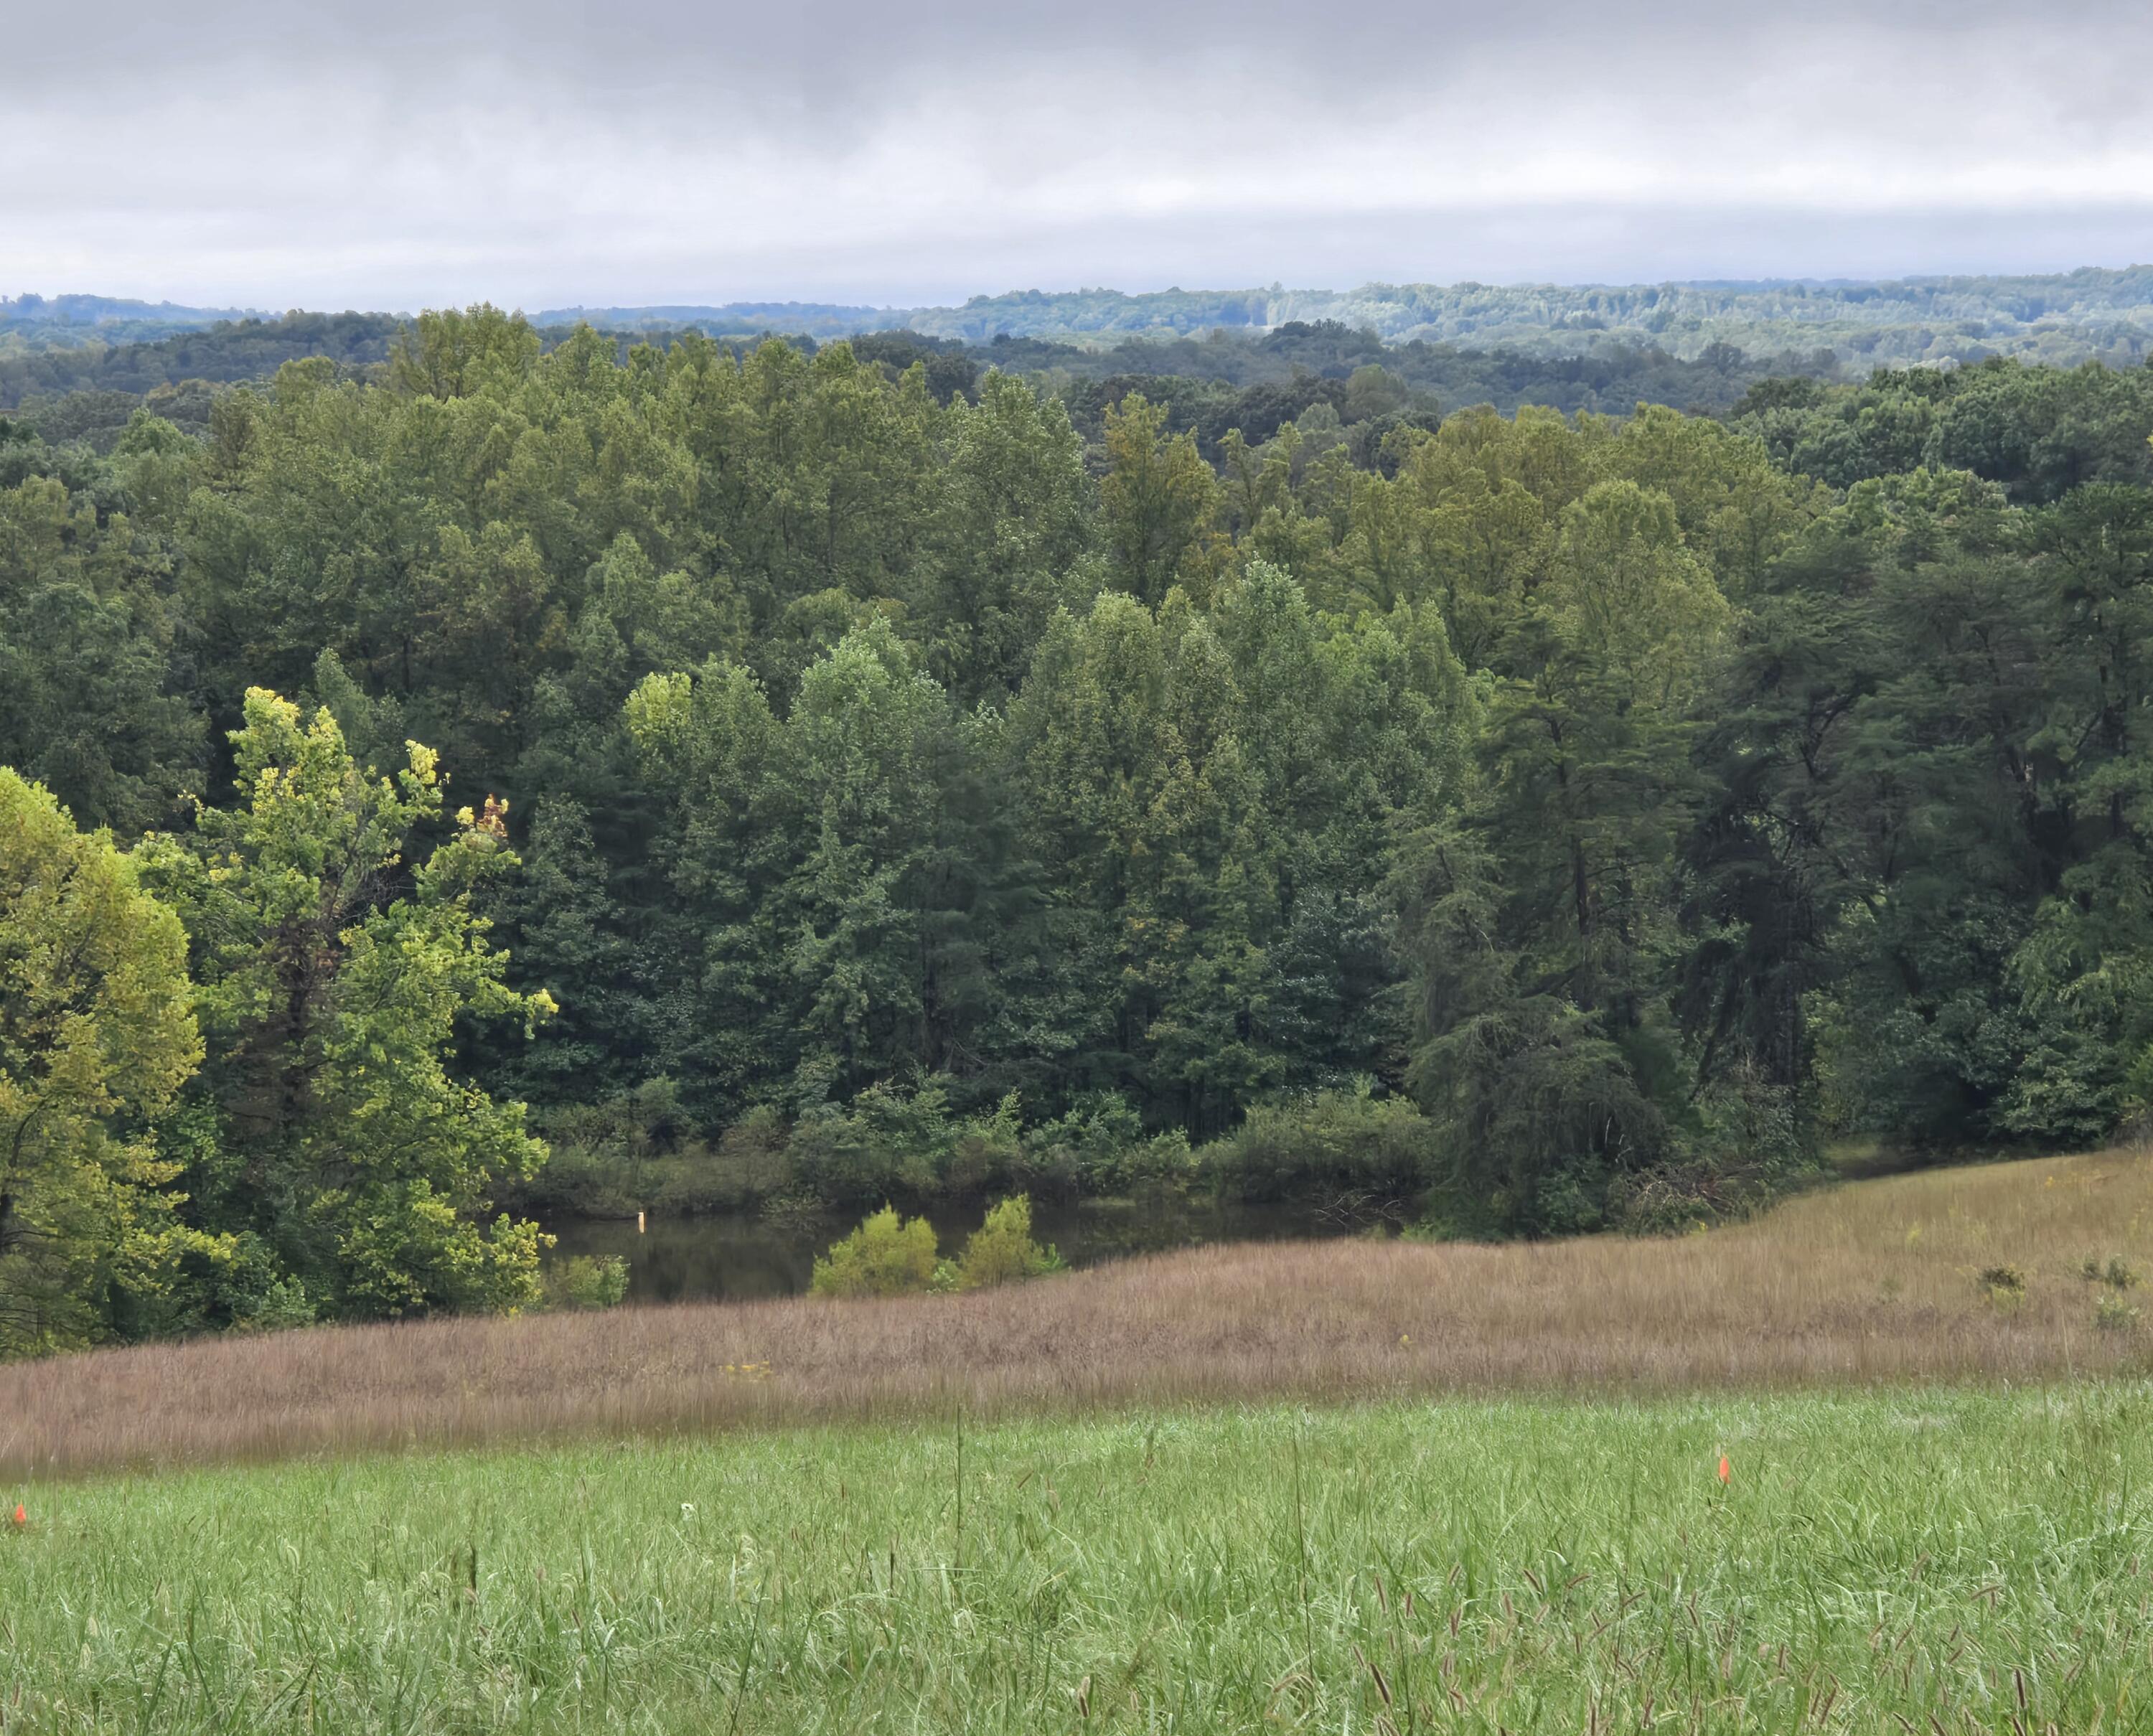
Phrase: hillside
{"type": "Point", "coordinates": [2064, 317]}
{"type": "Point", "coordinates": [68, 322]}
{"type": "Point", "coordinates": [2067, 316]}
{"type": "Point", "coordinates": [1876, 1281]}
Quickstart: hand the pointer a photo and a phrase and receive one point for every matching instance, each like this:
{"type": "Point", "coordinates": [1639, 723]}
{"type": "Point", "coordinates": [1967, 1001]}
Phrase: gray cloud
{"type": "Point", "coordinates": [399, 153]}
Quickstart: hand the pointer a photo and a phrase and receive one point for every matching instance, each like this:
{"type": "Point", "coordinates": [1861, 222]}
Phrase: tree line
{"type": "Point", "coordinates": [870, 791]}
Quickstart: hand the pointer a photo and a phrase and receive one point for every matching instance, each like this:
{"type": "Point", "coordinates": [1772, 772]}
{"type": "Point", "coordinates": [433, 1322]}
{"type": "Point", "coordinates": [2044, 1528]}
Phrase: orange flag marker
{"type": "Point", "coordinates": [22, 1518]}
{"type": "Point", "coordinates": [1726, 1470]}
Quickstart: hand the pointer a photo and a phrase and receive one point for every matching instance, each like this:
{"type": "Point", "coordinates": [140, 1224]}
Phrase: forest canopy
{"type": "Point", "coordinates": [886, 774]}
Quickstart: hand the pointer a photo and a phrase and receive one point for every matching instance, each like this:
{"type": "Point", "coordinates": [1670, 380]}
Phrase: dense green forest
{"type": "Point", "coordinates": [447, 784]}
{"type": "Point", "coordinates": [1255, 383]}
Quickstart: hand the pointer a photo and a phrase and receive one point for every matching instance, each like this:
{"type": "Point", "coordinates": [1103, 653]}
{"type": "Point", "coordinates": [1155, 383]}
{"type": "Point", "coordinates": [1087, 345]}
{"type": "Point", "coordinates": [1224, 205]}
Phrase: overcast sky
{"type": "Point", "coordinates": [404, 153]}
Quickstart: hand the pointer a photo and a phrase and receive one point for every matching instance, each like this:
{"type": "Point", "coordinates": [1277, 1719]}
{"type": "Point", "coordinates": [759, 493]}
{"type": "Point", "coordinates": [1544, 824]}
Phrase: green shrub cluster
{"type": "Point", "coordinates": [1002, 1250]}
{"type": "Point", "coordinates": [886, 1256]}
{"type": "Point", "coordinates": [1329, 1143]}
{"type": "Point", "coordinates": [629, 1154]}
{"type": "Point", "coordinates": [586, 1281]}
{"type": "Point", "coordinates": [890, 1255]}
{"type": "Point", "coordinates": [1352, 1151]}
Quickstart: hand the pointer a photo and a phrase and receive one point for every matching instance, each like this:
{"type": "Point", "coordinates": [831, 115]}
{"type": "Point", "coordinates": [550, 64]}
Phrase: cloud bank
{"type": "Point", "coordinates": [394, 154]}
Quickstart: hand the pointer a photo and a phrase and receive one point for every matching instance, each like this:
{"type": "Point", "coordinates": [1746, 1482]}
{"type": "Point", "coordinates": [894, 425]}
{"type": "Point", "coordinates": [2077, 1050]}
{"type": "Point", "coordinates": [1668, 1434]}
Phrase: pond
{"type": "Point", "coordinates": [738, 1256]}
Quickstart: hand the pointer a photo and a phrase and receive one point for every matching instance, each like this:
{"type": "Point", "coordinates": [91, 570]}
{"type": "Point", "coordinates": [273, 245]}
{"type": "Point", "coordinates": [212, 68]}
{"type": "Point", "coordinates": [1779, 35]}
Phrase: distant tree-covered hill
{"type": "Point", "coordinates": [2069, 317]}
{"type": "Point", "coordinates": [68, 322]}
{"type": "Point", "coordinates": [234, 350]}
{"type": "Point", "coordinates": [806, 319]}
{"type": "Point", "coordinates": [1214, 360]}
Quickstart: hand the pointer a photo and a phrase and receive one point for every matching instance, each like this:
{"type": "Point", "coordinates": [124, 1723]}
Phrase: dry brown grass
{"type": "Point", "coordinates": [1874, 1281]}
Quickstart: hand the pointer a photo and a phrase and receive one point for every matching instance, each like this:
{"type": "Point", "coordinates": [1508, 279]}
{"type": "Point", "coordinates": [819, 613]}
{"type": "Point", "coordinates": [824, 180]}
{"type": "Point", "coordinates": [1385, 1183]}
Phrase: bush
{"type": "Point", "coordinates": [249, 1291]}
{"type": "Point", "coordinates": [1680, 1200]}
{"type": "Point", "coordinates": [2005, 1287]}
{"type": "Point", "coordinates": [751, 1155]}
{"type": "Point", "coordinates": [1099, 1146]}
{"type": "Point", "coordinates": [883, 1143]}
{"type": "Point", "coordinates": [634, 1152]}
{"type": "Point", "coordinates": [1336, 1141]}
{"type": "Point", "coordinates": [884, 1257]}
{"type": "Point", "coordinates": [1747, 1144]}
{"type": "Point", "coordinates": [586, 1281]}
{"type": "Point", "coordinates": [2112, 1314]}
{"type": "Point", "coordinates": [1001, 1250]}
{"type": "Point", "coordinates": [283, 1305]}
{"type": "Point", "coordinates": [1745, 1128]}
{"type": "Point", "coordinates": [987, 1152]}
{"type": "Point", "coordinates": [889, 1144]}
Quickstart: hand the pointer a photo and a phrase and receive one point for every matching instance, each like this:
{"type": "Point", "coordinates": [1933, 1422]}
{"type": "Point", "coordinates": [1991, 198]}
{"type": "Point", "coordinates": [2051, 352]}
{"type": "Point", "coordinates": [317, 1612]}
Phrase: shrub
{"type": "Point", "coordinates": [1099, 1146]}
{"type": "Point", "coordinates": [251, 1291]}
{"type": "Point", "coordinates": [752, 1155]}
{"type": "Point", "coordinates": [1680, 1200]}
{"type": "Point", "coordinates": [1001, 1250]}
{"type": "Point", "coordinates": [1744, 1128]}
{"type": "Point", "coordinates": [886, 1256]}
{"type": "Point", "coordinates": [2118, 1274]}
{"type": "Point", "coordinates": [987, 1152]}
{"type": "Point", "coordinates": [634, 1151]}
{"type": "Point", "coordinates": [586, 1281]}
{"type": "Point", "coordinates": [283, 1305]}
{"type": "Point", "coordinates": [2006, 1287]}
{"type": "Point", "coordinates": [578, 1180]}
{"type": "Point", "coordinates": [2112, 1314]}
{"type": "Point", "coordinates": [884, 1143]}
{"type": "Point", "coordinates": [1745, 1145]}
{"type": "Point", "coordinates": [1337, 1141]}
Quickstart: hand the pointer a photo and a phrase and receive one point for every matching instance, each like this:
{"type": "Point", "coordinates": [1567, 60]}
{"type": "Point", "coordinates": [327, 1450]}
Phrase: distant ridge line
{"type": "Point", "coordinates": [2103, 312]}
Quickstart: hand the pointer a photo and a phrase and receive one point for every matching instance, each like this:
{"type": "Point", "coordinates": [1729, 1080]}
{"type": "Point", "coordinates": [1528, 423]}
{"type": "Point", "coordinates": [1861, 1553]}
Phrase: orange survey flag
{"type": "Point", "coordinates": [1726, 1470]}
{"type": "Point", "coordinates": [21, 1517]}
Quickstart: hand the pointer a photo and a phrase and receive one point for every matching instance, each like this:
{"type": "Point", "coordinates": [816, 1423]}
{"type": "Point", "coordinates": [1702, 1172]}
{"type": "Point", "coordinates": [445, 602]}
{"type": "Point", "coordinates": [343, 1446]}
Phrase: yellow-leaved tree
{"type": "Point", "coordinates": [334, 964]}
{"type": "Point", "coordinates": [96, 1036]}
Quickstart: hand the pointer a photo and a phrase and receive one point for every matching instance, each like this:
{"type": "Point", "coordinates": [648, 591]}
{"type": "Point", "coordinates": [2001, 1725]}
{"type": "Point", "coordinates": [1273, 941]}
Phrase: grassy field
{"type": "Point", "coordinates": [1874, 1282]}
{"type": "Point", "coordinates": [1107, 1500]}
{"type": "Point", "coordinates": [1953, 1561]}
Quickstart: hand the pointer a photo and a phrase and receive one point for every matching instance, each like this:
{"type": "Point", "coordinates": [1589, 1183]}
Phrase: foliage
{"type": "Point", "coordinates": [332, 975]}
{"type": "Point", "coordinates": [1001, 1250]}
{"type": "Point", "coordinates": [948, 768]}
{"type": "Point", "coordinates": [886, 1256]}
{"type": "Point", "coordinates": [90, 636]}
{"type": "Point", "coordinates": [2063, 315]}
{"type": "Point", "coordinates": [95, 1039]}
{"type": "Point", "coordinates": [586, 1281]}
{"type": "Point", "coordinates": [223, 351]}
{"type": "Point", "coordinates": [1334, 1143]}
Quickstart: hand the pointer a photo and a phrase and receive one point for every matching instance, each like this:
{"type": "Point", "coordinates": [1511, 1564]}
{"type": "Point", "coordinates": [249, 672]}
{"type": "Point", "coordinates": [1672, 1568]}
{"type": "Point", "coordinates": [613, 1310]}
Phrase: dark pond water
{"type": "Point", "coordinates": [736, 1257]}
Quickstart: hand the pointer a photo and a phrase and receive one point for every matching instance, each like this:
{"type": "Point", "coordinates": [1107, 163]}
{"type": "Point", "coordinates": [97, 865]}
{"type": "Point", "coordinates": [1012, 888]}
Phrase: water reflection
{"type": "Point", "coordinates": [737, 1257]}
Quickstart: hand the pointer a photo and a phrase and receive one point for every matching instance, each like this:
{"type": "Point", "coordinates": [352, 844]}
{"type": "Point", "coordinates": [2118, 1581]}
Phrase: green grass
{"type": "Point", "coordinates": [1528, 1566]}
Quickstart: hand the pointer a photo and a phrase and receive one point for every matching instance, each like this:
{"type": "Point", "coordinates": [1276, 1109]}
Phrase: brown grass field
{"type": "Point", "coordinates": [1870, 1282]}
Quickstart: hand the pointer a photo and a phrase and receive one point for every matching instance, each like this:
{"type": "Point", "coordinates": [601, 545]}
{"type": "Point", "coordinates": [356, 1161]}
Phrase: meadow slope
{"type": "Point", "coordinates": [1874, 1282]}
